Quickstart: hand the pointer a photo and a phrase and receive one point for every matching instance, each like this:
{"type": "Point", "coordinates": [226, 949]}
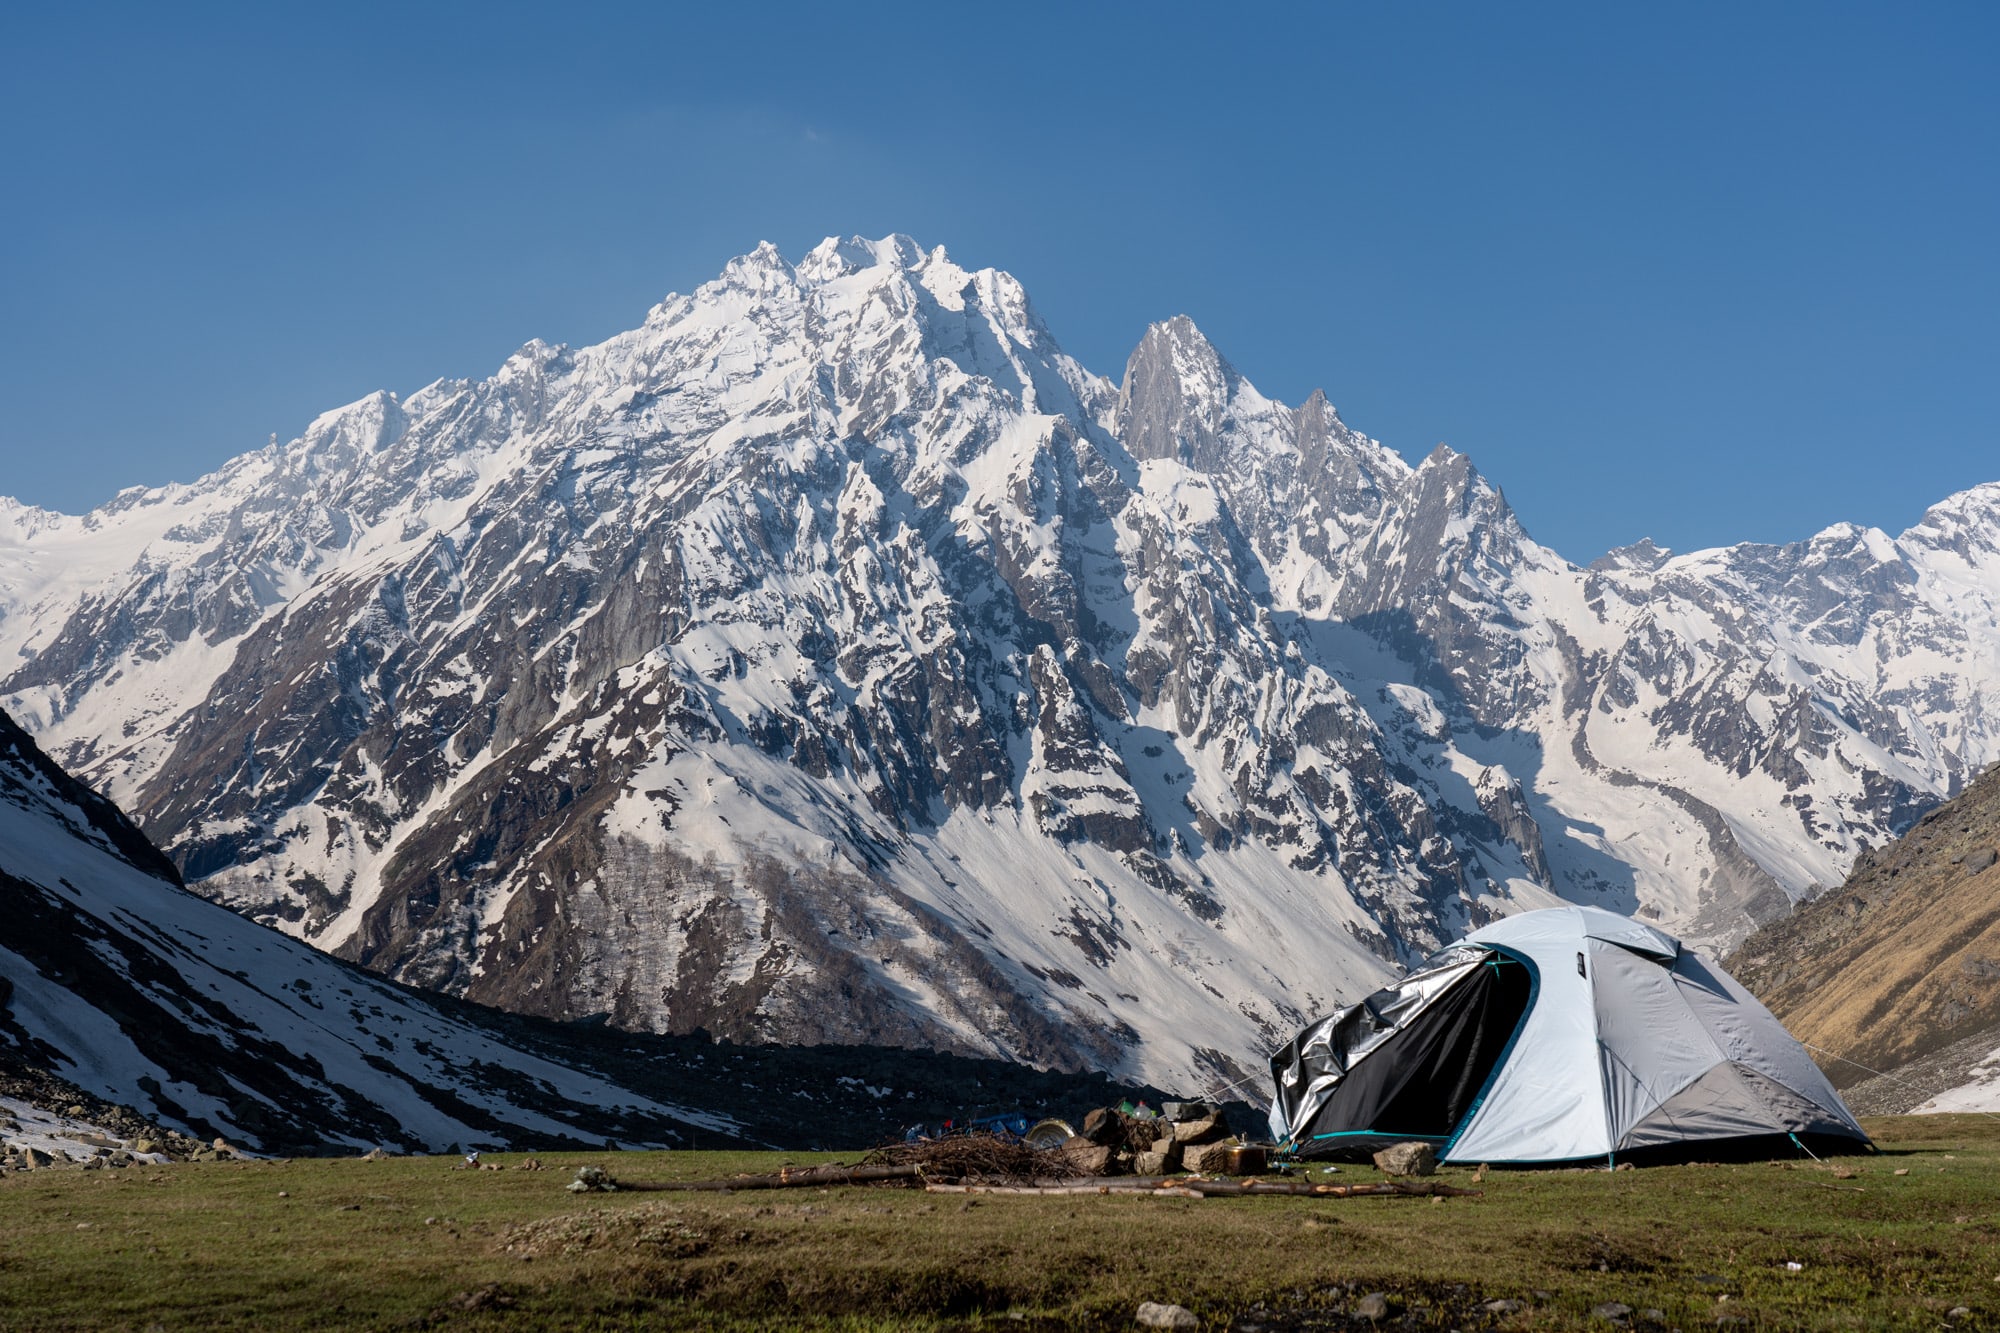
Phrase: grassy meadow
{"type": "Point", "coordinates": [411, 1243]}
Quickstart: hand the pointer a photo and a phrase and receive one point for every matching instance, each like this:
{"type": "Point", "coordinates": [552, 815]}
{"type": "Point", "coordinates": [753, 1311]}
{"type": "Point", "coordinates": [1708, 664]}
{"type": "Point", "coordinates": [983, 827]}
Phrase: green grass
{"type": "Point", "coordinates": [411, 1243]}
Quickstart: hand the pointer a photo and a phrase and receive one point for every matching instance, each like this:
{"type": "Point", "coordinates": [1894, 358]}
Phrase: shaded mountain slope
{"type": "Point", "coordinates": [1903, 960]}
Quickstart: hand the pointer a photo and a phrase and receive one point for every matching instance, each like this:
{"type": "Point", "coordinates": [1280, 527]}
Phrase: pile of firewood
{"type": "Point", "coordinates": [1116, 1144]}
{"type": "Point", "coordinates": [988, 1158]}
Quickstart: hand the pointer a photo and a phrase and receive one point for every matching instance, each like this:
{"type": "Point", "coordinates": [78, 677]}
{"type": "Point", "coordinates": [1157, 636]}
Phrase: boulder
{"type": "Point", "coordinates": [144, 1146]}
{"type": "Point", "coordinates": [1170, 1150]}
{"type": "Point", "coordinates": [1152, 1314]}
{"type": "Point", "coordinates": [1093, 1159]}
{"type": "Point", "coordinates": [1103, 1125]}
{"type": "Point", "coordinates": [1407, 1159]}
{"type": "Point", "coordinates": [1208, 1159]}
{"type": "Point", "coordinates": [1206, 1130]}
{"type": "Point", "coordinates": [1150, 1164]}
{"type": "Point", "coordinates": [35, 1157]}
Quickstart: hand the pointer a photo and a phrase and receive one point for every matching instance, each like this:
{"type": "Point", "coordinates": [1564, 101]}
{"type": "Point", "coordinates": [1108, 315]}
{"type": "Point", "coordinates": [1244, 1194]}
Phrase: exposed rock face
{"type": "Point", "coordinates": [833, 658]}
{"type": "Point", "coordinates": [1903, 960]}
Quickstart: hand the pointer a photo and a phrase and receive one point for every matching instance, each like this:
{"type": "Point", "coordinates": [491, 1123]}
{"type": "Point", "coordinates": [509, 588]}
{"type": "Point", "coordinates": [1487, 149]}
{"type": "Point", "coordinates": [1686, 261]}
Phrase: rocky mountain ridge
{"type": "Point", "coordinates": [128, 1003]}
{"type": "Point", "coordinates": [832, 658]}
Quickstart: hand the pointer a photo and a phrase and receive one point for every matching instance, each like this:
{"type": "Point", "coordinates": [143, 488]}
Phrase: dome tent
{"type": "Point", "coordinates": [1554, 1035]}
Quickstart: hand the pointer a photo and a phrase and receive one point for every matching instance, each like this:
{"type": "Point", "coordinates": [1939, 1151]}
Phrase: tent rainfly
{"type": "Point", "coordinates": [1557, 1035]}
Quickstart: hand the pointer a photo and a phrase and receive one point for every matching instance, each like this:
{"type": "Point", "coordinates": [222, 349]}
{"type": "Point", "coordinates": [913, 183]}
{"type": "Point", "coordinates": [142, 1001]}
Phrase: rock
{"type": "Point", "coordinates": [1103, 1125]}
{"type": "Point", "coordinates": [1407, 1159]}
{"type": "Point", "coordinates": [1611, 1311]}
{"type": "Point", "coordinates": [1960, 1311]}
{"type": "Point", "coordinates": [75, 1113]}
{"type": "Point", "coordinates": [1501, 1307]}
{"type": "Point", "coordinates": [1200, 1131]}
{"type": "Point", "coordinates": [1374, 1307]}
{"type": "Point", "coordinates": [1093, 1159]}
{"type": "Point", "coordinates": [35, 1157]}
{"type": "Point", "coordinates": [592, 1180]}
{"type": "Point", "coordinates": [1150, 1164]}
{"type": "Point", "coordinates": [94, 1164]}
{"type": "Point", "coordinates": [1152, 1314]}
{"type": "Point", "coordinates": [1979, 860]}
{"type": "Point", "coordinates": [1207, 1159]}
{"type": "Point", "coordinates": [375, 1155]}
{"type": "Point", "coordinates": [144, 1146]}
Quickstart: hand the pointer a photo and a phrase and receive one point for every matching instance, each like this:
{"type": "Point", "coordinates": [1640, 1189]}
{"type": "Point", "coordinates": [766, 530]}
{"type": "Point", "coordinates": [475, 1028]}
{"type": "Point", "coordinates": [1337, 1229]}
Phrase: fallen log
{"type": "Point", "coordinates": [1070, 1187]}
{"type": "Point", "coordinates": [1196, 1187]}
{"type": "Point", "coordinates": [1417, 1188]}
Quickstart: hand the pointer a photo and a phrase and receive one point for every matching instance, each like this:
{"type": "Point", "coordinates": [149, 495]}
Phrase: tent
{"type": "Point", "coordinates": [1556, 1035]}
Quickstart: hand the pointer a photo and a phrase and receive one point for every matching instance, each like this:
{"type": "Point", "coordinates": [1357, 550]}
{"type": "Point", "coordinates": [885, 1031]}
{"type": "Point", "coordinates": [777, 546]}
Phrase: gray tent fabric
{"type": "Point", "coordinates": [1622, 1041]}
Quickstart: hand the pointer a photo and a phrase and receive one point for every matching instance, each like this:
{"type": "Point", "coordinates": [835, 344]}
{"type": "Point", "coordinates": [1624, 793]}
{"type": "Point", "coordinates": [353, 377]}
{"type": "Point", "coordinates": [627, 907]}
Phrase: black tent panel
{"type": "Point", "coordinates": [1421, 1081]}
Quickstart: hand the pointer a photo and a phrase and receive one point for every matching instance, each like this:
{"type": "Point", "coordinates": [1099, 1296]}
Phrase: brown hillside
{"type": "Point", "coordinates": [1901, 961]}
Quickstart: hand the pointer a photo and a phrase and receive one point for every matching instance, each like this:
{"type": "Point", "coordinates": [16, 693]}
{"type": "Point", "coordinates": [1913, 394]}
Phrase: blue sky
{"type": "Point", "coordinates": [1703, 273]}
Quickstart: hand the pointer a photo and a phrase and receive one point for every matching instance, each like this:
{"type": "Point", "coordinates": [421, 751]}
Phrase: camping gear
{"type": "Point", "coordinates": [1008, 1124]}
{"type": "Point", "coordinates": [1051, 1133]}
{"type": "Point", "coordinates": [1552, 1036]}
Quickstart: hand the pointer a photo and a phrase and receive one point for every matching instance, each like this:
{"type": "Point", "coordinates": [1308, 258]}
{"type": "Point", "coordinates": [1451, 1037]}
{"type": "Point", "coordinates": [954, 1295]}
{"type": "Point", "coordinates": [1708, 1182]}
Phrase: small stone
{"type": "Point", "coordinates": [1501, 1307]}
{"type": "Point", "coordinates": [1407, 1159]}
{"type": "Point", "coordinates": [1374, 1307]}
{"type": "Point", "coordinates": [94, 1164]}
{"type": "Point", "coordinates": [1657, 1316]}
{"type": "Point", "coordinates": [1612, 1311]}
{"type": "Point", "coordinates": [1153, 1314]}
{"type": "Point", "coordinates": [144, 1146]}
{"type": "Point", "coordinates": [1958, 1311]}
{"type": "Point", "coordinates": [284, 1194]}
{"type": "Point", "coordinates": [1902, 1170]}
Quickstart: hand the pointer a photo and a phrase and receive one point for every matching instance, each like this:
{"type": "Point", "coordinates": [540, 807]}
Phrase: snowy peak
{"type": "Point", "coordinates": [1175, 397]}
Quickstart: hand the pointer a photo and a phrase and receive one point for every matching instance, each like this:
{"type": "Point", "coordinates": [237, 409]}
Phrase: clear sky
{"type": "Point", "coordinates": [1703, 273]}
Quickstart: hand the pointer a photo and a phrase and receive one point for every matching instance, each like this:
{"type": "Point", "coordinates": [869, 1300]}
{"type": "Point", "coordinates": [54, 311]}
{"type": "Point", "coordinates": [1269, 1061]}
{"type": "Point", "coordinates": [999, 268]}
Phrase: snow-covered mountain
{"type": "Point", "coordinates": [120, 989]}
{"type": "Point", "coordinates": [120, 981]}
{"type": "Point", "coordinates": [834, 658]}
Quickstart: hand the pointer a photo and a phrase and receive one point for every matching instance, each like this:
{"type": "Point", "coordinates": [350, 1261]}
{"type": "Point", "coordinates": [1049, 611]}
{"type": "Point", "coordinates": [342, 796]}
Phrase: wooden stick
{"type": "Point", "coordinates": [1100, 1187]}
{"type": "Point", "coordinates": [792, 1177]}
{"type": "Point", "coordinates": [1420, 1189]}
{"type": "Point", "coordinates": [1185, 1187]}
